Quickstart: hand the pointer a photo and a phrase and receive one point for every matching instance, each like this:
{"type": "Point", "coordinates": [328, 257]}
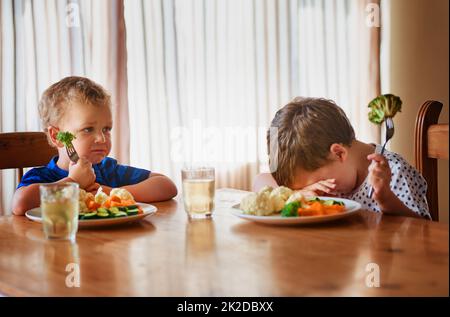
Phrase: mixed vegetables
{"type": "Point", "coordinates": [312, 207]}
{"type": "Point", "coordinates": [288, 203]}
{"type": "Point", "coordinates": [119, 203]}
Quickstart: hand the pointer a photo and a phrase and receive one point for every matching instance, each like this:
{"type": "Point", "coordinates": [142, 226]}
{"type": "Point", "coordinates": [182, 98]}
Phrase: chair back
{"type": "Point", "coordinates": [431, 144]}
{"type": "Point", "coordinates": [24, 149]}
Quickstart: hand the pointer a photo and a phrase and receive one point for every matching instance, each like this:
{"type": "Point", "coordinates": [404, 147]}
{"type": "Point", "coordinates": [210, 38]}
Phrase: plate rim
{"type": "Point", "coordinates": [278, 219]}
{"type": "Point", "coordinates": [93, 222]}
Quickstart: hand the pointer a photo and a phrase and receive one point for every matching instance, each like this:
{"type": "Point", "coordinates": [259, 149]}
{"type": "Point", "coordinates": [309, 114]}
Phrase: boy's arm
{"type": "Point", "coordinates": [264, 179]}
{"type": "Point", "coordinates": [380, 179]}
{"type": "Point", "coordinates": [28, 197]}
{"type": "Point", "coordinates": [392, 205]}
{"type": "Point", "coordinates": [156, 187]}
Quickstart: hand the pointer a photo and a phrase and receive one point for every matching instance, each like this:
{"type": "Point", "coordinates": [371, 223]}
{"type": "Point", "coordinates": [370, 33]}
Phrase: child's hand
{"type": "Point", "coordinates": [82, 173]}
{"type": "Point", "coordinates": [380, 178]}
{"type": "Point", "coordinates": [93, 188]}
{"type": "Point", "coordinates": [320, 188]}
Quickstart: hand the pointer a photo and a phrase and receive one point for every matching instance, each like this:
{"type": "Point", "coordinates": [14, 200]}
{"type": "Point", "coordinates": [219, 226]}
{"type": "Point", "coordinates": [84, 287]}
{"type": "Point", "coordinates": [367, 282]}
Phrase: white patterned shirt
{"type": "Point", "coordinates": [406, 183]}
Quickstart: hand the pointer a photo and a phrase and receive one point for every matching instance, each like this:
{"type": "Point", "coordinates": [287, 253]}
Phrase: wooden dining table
{"type": "Point", "coordinates": [166, 254]}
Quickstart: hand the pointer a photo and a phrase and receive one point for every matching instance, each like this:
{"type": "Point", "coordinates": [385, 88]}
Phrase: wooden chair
{"type": "Point", "coordinates": [24, 149]}
{"type": "Point", "coordinates": [431, 144]}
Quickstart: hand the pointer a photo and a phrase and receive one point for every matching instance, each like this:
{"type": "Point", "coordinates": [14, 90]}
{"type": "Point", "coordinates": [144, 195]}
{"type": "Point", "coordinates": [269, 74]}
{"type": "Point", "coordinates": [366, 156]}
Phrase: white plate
{"type": "Point", "coordinates": [35, 215]}
{"type": "Point", "coordinates": [351, 207]}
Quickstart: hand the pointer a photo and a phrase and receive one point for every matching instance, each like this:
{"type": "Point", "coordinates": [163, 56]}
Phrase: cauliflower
{"type": "Point", "coordinates": [257, 204]}
{"type": "Point", "coordinates": [100, 196]}
{"type": "Point", "coordinates": [265, 189]}
{"type": "Point", "coordinates": [279, 196]}
{"type": "Point", "coordinates": [82, 197]}
{"type": "Point", "coordinates": [296, 196]}
{"type": "Point", "coordinates": [122, 193]}
{"type": "Point", "coordinates": [266, 202]}
{"type": "Point", "coordinates": [282, 192]}
{"type": "Point", "coordinates": [277, 202]}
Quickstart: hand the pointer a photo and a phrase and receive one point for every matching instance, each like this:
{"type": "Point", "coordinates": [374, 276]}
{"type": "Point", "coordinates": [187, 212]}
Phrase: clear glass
{"type": "Point", "coordinates": [60, 208]}
{"type": "Point", "coordinates": [198, 191]}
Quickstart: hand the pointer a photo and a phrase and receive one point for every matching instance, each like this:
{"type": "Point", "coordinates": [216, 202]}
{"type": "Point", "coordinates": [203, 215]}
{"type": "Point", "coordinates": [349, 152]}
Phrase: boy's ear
{"type": "Point", "coordinates": [53, 132]}
{"type": "Point", "coordinates": [338, 152]}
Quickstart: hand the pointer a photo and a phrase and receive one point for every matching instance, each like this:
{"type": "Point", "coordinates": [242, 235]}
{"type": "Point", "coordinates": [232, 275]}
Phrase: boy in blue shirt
{"type": "Point", "coordinates": [82, 107]}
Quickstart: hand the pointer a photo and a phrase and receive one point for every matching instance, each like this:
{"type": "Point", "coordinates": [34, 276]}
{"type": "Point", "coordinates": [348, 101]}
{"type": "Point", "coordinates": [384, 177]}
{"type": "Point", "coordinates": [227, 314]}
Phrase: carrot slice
{"type": "Point", "coordinates": [116, 199]}
{"type": "Point", "coordinates": [92, 205]}
{"type": "Point", "coordinates": [107, 203]}
{"type": "Point", "coordinates": [128, 202]}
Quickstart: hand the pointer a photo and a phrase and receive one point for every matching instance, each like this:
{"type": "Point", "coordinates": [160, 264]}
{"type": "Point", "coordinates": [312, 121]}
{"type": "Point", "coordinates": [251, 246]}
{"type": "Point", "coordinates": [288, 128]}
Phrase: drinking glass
{"type": "Point", "coordinates": [60, 208]}
{"type": "Point", "coordinates": [198, 191]}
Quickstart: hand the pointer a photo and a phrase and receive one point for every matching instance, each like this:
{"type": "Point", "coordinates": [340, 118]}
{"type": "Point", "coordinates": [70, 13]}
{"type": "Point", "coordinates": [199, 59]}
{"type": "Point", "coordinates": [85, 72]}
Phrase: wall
{"type": "Point", "coordinates": [419, 70]}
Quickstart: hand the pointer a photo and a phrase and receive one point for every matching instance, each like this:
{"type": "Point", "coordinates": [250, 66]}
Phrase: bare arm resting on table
{"type": "Point", "coordinates": [156, 187]}
{"type": "Point", "coordinates": [27, 197]}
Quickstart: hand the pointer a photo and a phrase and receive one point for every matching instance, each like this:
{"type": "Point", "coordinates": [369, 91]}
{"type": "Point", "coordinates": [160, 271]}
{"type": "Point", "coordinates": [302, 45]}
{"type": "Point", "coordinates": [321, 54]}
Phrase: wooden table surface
{"type": "Point", "coordinates": [167, 255]}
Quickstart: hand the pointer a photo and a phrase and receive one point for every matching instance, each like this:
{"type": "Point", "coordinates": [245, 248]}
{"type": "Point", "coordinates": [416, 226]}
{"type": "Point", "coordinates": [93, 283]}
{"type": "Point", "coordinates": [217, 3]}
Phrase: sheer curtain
{"type": "Point", "coordinates": [193, 81]}
{"type": "Point", "coordinates": [44, 41]}
{"type": "Point", "coordinates": [206, 77]}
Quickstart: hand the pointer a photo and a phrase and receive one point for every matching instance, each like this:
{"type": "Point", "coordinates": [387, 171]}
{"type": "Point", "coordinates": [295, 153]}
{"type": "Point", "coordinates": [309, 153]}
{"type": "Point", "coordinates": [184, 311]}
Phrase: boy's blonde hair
{"type": "Point", "coordinates": [306, 128]}
{"type": "Point", "coordinates": [69, 91]}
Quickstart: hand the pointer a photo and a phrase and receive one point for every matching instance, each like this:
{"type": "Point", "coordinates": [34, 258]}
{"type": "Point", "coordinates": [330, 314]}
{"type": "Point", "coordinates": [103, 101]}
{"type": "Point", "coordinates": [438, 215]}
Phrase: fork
{"type": "Point", "coordinates": [73, 155]}
{"type": "Point", "coordinates": [389, 133]}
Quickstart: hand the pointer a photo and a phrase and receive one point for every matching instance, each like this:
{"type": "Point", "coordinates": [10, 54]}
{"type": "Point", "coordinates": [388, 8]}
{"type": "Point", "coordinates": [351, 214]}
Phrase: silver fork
{"type": "Point", "coordinates": [389, 133]}
{"type": "Point", "coordinates": [73, 155]}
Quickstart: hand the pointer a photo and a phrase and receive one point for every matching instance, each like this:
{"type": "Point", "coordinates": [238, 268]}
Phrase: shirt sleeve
{"type": "Point", "coordinates": [128, 175]}
{"type": "Point", "coordinates": [34, 176]}
{"type": "Point", "coordinates": [410, 187]}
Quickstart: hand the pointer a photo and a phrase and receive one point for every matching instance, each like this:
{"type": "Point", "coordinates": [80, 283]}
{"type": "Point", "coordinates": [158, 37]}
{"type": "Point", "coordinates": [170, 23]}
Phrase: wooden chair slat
{"type": "Point", "coordinates": [24, 149]}
{"type": "Point", "coordinates": [430, 144]}
{"type": "Point", "coordinates": [438, 141]}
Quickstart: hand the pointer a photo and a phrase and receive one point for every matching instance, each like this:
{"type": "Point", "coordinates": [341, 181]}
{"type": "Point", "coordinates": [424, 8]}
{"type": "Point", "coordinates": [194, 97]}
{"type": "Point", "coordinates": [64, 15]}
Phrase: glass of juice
{"type": "Point", "coordinates": [59, 208]}
{"type": "Point", "coordinates": [198, 191]}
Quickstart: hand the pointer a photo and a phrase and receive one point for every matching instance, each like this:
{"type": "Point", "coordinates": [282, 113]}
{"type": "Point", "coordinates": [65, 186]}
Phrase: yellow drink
{"type": "Point", "coordinates": [60, 219]}
{"type": "Point", "coordinates": [198, 195]}
{"type": "Point", "coordinates": [60, 208]}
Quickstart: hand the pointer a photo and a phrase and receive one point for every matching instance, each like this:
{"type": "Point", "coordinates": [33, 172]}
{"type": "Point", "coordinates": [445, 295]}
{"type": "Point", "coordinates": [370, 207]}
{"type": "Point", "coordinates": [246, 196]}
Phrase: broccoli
{"type": "Point", "coordinates": [65, 137]}
{"type": "Point", "coordinates": [291, 209]}
{"type": "Point", "coordinates": [384, 106]}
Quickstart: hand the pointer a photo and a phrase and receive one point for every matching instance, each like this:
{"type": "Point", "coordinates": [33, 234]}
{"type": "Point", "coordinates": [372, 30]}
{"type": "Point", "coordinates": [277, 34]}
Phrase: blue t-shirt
{"type": "Point", "coordinates": [107, 173]}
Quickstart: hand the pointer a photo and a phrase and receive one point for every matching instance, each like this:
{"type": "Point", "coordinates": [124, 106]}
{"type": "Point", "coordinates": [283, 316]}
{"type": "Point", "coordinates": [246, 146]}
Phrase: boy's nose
{"type": "Point", "coordinates": [100, 138]}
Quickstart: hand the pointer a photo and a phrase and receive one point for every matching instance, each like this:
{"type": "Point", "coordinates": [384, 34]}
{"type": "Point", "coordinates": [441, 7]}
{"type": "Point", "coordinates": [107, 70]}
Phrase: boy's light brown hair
{"type": "Point", "coordinates": [306, 128]}
{"type": "Point", "coordinates": [68, 92]}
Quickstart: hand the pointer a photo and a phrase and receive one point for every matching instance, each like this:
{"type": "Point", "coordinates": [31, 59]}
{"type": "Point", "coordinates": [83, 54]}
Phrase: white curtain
{"type": "Point", "coordinates": [205, 77]}
{"type": "Point", "coordinates": [44, 41]}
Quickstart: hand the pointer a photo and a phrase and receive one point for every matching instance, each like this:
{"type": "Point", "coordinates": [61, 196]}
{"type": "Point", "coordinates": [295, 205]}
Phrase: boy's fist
{"type": "Point", "coordinates": [82, 173]}
{"type": "Point", "coordinates": [379, 177]}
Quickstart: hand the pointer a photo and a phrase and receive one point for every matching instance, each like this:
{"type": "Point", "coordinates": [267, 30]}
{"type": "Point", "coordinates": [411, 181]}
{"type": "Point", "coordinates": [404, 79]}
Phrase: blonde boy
{"type": "Point", "coordinates": [82, 107]}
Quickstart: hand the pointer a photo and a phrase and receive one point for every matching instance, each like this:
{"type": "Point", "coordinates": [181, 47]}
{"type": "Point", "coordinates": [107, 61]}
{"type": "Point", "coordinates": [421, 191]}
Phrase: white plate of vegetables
{"type": "Point", "coordinates": [285, 207]}
{"type": "Point", "coordinates": [103, 216]}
